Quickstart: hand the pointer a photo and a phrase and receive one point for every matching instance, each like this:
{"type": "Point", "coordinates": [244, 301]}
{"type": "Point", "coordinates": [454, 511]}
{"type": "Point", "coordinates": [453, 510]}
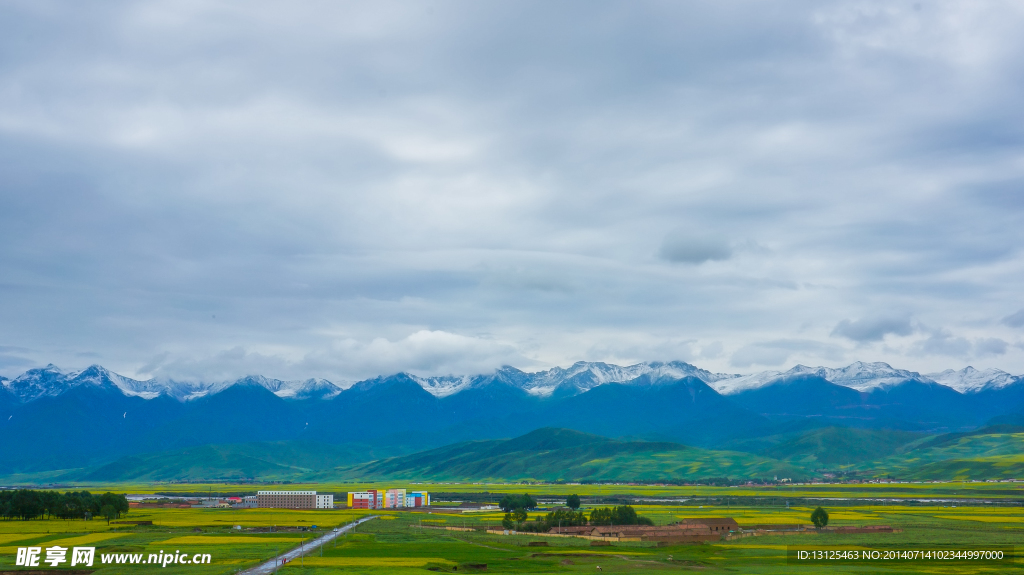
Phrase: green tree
{"type": "Point", "coordinates": [507, 504]}
{"type": "Point", "coordinates": [624, 515]}
{"type": "Point", "coordinates": [507, 523]}
{"type": "Point", "coordinates": [602, 516]}
{"type": "Point", "coordinates": [51, 502]}
{"type": "Point", "coordinates": [118, 502]}
{"type": "Point", "coordinates": [573, 502]}
{"type": "Point", "coordinates": [564, 518]}
{"type": "Point", "coordinates": [108, 512]}
{"type": "Point", "coordinates": [819, 517]}
{"type": "Point", "coordinates": [510, 502]}
{"type": "Point", "coordinates": [519, 515]}
{"type": "Point", "coordinates": [621, 515]}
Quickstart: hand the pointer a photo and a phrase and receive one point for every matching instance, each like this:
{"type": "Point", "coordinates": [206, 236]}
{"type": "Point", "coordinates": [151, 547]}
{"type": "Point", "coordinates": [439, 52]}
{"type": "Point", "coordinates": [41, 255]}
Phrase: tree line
{"type": "Point", "coordinates": [516, 516]}
{"type": "Point", "coordinates": [28, 504]}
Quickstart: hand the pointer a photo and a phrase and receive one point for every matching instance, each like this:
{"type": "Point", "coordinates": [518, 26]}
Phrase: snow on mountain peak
{"type": "Point", "coordinates": [970, 380]}
{"type": "Point", "coordinates": [578, 378]}
{"type": "Point", "coordinates": [443, 385]}
{"type": "Point", "coordinates": [584, 376]}
{"type": "Point", "coordinates": [298, 389]}
{"type": "Point", "coordinates": [858, 375]}
{"type": "Point", "coordinates": [40, 382]}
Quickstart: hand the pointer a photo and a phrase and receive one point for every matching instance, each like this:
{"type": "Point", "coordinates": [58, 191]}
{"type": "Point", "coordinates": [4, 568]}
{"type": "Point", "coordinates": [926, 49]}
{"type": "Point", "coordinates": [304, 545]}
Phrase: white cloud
{"type": "Point", "coordinates": [542, 183]}
{"type": "Point", "coordinates": [422, 353]}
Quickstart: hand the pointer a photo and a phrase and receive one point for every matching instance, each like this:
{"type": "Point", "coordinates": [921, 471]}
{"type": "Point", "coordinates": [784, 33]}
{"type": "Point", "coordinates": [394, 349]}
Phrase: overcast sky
{"type": "Point", "coordinates": [205, 190]}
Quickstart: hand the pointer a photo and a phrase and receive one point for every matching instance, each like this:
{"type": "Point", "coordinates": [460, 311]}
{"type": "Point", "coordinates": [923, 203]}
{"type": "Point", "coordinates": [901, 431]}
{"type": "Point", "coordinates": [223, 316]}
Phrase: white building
{"type": "Point", "coordinates": [294, 500]}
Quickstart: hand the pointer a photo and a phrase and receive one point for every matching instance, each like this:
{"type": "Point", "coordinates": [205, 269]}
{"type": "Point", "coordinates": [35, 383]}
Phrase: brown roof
{"type": "Point", "coordinates": [638, 530]}
{"type": "Point", "coordinates": [712, 521]}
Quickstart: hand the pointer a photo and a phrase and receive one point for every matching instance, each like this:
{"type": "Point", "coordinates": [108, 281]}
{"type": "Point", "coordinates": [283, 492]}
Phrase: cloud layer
{"type": "Point", "coordinates": [342, 189]}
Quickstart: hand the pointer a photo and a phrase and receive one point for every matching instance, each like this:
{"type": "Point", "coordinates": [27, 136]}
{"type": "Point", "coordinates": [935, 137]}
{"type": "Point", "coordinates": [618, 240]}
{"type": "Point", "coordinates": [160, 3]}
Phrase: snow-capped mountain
{"type": "Point", "coordinates": [584, 376]}
{"type": "Point", "coordinates": [559, 382]}
{"type": "Point", "coordinates": [970, 380]}
{"type": "Point", "coordinates": [299, 389]}
{"type": "Point", "coordinates": [858, 375]}
{"type": "Point", "coordinates": [861, 376]}
{"type": "Point", "coordinates": [101, 376]}
{"type": "Point", "coordinates": [445, 385]}
{"type": "Point", "coordinates": [41, 382]}
{"type": "Point", "coordinates": [312, 388]}
{"type": "Point", "coordinates": [727, 386]}
{"type": "Point", "coordinates": [52, 381]}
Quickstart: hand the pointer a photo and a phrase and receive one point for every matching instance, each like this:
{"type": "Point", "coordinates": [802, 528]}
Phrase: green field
{"type": "Point", "coordinates": [396, 542]}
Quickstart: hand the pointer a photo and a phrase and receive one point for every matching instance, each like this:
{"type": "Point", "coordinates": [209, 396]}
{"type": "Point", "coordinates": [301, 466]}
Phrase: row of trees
{"type": "Point", "coordinates": [510, 503]}
{"type": "Point", "coordinates": [516, 518]}
{"type": "Point", "coordinates": [621, 515]}
{"type": "Point", "coordinates": [28, 504]}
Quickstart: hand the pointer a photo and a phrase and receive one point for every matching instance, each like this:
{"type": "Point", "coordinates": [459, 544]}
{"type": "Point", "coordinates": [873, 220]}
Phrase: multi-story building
{"type": "Point", "coordinates": [387, 499]}
{"type": "Point", "coordinates": [394, 498]}
{"type": "Point", "coordinates": [417, 499]}
{"type": "Point", "coordinates": [369, 499]}
{"type": "Point", "coordinates": [294, 500]}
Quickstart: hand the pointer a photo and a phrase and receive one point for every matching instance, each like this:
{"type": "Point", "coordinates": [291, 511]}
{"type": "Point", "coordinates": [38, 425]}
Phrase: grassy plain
{"type": "Point", "coordinates": [893, 491]}
{"type": "Point", "coordinates": [395, 543]}
{"type": "Point", "coordinates": [384, 544]}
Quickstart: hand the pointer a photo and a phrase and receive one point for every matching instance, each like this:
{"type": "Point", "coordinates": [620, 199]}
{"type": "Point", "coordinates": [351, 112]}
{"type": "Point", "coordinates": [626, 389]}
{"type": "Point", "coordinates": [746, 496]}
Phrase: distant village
{"type": "Point", "coordinates": [279, 499]}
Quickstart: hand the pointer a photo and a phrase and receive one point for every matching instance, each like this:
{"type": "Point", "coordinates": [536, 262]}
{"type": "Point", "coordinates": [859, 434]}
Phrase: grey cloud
{"type": "Point", "coordinates": [944, 343]}
{"type": "Point", "coordinates": [712, 350]}
{"type": "Point", "coordinates": [514, 174]}
{"type": "Point", "coordinates": [873, 328]}
{"type": "Point", "coordinates": [774, 353]}
{"type": "Point", "coordinates": [423, 353]}
{"type": "Point", "coordinates": [990, 346]}
{"type": "Point", "coordinates": [14, 364]}
{"type": "Point", "coordinates": [693, 250]}
{"type": "Point", "coordinates": [1014, 320]}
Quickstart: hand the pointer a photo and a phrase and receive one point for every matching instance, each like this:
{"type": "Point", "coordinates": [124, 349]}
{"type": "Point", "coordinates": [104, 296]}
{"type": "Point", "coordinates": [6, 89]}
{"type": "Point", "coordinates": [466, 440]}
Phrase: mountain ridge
{"type": "Point", "coordinates": [579, 378]}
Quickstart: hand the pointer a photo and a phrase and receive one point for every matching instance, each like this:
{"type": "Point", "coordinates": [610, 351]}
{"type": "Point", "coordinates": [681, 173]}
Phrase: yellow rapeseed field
{"type": "Point", "coordinates": [588, 551]}
{"type": "Point", "coordinates": [225, 540]}
{"type": "Point", "coordinates": [11, 537]}
{"type": "Point", "coordinates": [985, 518]}
{"type": "Point", "coordinates": [245, 517]}
{"type": "Point", "coordinates": [71, 541]}
{"type": "Point", "coordinates": [369, 562]}
{"type": "Point", "coordinates": [86, 539]}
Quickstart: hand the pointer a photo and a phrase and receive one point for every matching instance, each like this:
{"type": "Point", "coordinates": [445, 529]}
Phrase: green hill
{"type": "Point", "coordinates": [563, 455]}
{"type": "Point", "coordinates": [959, 456]}
{"type": "Point", "coordinates": [277, 460]}
{"type": "Point", "coordinates": [831, 446]}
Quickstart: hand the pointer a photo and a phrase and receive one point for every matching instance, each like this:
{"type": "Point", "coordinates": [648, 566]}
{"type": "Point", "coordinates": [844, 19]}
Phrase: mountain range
{"type": "Point", "coordinates": [52, 419]}
{"type": "Point", "coordinates": [580, 377]}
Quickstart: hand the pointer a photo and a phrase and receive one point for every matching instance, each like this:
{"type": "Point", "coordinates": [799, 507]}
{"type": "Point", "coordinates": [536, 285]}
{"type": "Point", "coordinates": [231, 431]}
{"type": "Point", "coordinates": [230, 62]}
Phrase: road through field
{"type": "Point", "coordinates": [306, 548]}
